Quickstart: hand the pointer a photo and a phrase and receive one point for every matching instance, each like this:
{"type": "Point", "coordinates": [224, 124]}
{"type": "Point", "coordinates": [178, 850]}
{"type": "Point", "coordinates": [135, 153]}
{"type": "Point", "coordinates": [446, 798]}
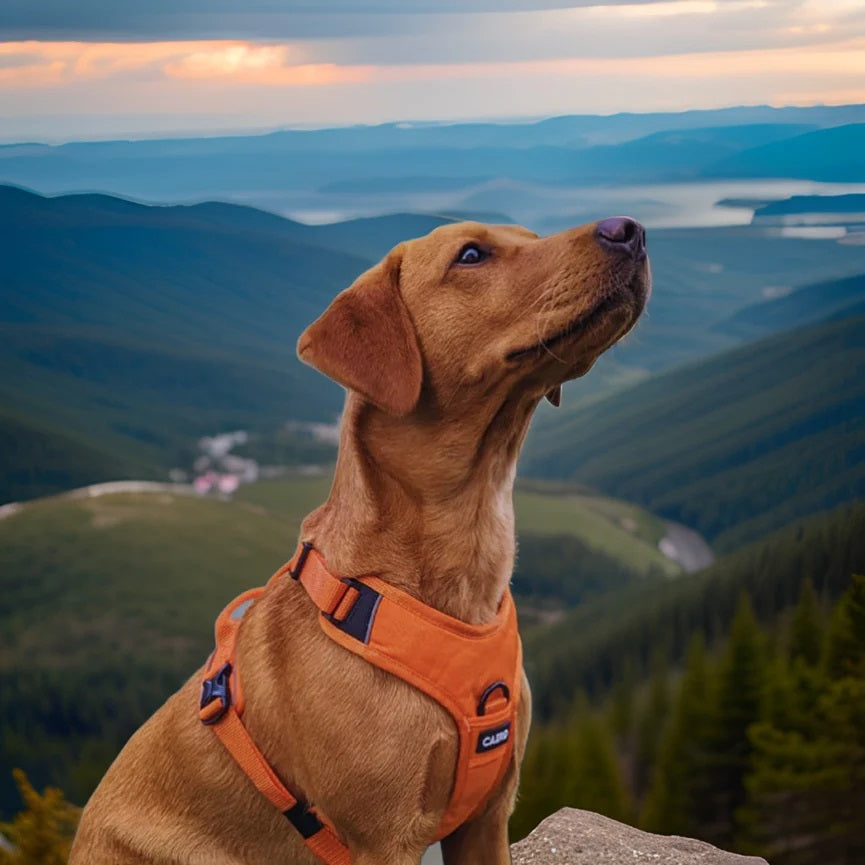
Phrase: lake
{"type": "Point", "coordinates": [548, 209]}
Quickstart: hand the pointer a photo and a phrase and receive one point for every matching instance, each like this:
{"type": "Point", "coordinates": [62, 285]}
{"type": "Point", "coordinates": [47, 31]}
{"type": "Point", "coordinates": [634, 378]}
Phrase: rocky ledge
{"type": "Point", "coordinates": [573, 837]}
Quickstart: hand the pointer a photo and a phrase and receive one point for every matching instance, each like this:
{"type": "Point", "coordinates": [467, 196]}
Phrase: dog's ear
{"type": "Point", "coordinates": [365, 340]}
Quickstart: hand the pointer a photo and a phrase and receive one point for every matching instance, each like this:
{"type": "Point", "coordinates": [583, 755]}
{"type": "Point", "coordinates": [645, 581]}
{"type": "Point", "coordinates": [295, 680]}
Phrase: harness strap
{"type": "Point", "coordinates": [221, 707]}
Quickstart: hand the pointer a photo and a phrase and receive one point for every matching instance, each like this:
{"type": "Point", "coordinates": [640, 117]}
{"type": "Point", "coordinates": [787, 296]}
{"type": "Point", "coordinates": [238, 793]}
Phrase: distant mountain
{"type": "Point", "coordinates": [342, 163]}
{"type": "Point", "coordinates": [733, 446]}
{"type": "Point", "coordinates": [675, 154]}
{"type": "Point", "coordinates": [799, 204]}
{"type": "Point", "coordinates": [806, 305]}
{"type": "Point", "coordinates": [836, 154]}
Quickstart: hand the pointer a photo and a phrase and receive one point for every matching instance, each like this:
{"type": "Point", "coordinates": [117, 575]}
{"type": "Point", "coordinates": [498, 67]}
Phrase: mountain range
{"type": "Point", "coordinates": [325, 168]}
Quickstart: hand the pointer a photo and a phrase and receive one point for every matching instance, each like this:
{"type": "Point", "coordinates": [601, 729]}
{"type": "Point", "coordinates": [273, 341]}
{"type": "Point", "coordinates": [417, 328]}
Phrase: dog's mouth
{"type": "Point", "coordinates": [579, 325]}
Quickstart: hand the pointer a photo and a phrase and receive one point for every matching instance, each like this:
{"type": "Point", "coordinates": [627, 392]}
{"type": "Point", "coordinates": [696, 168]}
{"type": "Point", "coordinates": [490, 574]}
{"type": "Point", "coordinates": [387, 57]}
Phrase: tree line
{"type": "Point", "coordinates": [758, 746]}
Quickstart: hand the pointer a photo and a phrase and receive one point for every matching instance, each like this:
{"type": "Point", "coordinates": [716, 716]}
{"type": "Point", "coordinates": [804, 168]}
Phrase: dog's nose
{"type": "Point", "coordinates": [622, 234]}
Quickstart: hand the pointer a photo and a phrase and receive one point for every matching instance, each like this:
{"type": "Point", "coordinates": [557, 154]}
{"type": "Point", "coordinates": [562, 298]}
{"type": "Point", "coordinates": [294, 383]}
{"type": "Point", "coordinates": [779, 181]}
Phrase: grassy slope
{"type": "Point", "coordinates": [107, 567]}
{"type": "Point", "coordinates": [128, 571]}
{"type": "Point", "coordinates": [106, 606]}
{"type": "Point", "coordinates": [734, 446]}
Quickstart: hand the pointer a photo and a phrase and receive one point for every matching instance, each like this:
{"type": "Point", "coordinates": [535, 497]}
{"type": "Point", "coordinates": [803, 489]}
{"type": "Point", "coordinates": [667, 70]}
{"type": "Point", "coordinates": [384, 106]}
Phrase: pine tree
{"type": "Point", "coordinates": [806, 637]}
{"type": "Point", "coordinates": [844, 654]}
{"type": "Point", "coordinates": [740, 690]}
{"type": "Point", "coordinates": [681, 781]}
{"type": "Point", "coordinates": [650, 723]}
{"type": "Point", "coordinates": [542, 780]}
{"type": "Point", "coordinates": [622, 707]}
{"type": "Point", "coordinates": [594, 781]}
{"type": "Point", "coordinates": [806, 787]}
{"type": "Point", "coordinates": [42, 833]}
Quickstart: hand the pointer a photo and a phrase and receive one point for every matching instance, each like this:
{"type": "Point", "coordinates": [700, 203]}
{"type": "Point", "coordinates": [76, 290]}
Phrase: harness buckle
{"type": "Point", "coordinates": [357, 622]}
{"type": "Point", "coordinates": [215, 688]}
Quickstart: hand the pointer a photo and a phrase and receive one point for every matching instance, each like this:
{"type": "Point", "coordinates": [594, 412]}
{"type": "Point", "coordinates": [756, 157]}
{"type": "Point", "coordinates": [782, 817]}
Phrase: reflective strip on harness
{"type": "Point", "coordinates": [474, 671]}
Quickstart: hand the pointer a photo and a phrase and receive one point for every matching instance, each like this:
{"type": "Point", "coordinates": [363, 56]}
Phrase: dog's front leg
{"type": "Point", "coordinates": [483, 841]}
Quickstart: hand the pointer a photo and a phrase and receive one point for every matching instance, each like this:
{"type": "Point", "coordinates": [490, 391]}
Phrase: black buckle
{"type": "Point", "coordinates": [306, 823]}
{"type": "Point", "coordinates": [482, 703]}
{"type": "Point", "coordinates": [358, 621]}
{"type": "Point", "coordinates": [301, 560]}
{"type": "Point", "coordinates": [216, 688]}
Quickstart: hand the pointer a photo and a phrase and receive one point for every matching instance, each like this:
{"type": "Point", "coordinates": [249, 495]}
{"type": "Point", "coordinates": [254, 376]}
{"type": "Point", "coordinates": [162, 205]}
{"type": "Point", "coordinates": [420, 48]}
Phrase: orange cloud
{"type": "Point", "coordinates": [846, 58]}
{"type": "Point", "coordinates": [58, 64]}
{"type": "Point", "coordinates": [55, 63]}
{"type": "Point", "coordinates": [243, 62]}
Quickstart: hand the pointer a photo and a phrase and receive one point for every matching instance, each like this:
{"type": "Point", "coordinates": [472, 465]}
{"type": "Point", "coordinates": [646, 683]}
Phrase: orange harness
{"type": "Point", "coordinates": [474, 671]}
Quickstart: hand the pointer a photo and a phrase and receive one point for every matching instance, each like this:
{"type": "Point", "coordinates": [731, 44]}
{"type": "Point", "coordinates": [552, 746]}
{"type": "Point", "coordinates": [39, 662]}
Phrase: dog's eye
{"type": "Point", "coordinates": [471, 253]}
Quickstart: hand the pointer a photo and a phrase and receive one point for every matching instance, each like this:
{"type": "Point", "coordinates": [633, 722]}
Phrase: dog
{"type": "Point", "coordinates": [445, 348]}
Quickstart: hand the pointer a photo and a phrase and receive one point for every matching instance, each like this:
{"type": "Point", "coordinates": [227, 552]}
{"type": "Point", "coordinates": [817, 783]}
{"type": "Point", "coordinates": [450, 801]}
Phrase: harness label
{"type": "Point", "coordinates": [494, 738]}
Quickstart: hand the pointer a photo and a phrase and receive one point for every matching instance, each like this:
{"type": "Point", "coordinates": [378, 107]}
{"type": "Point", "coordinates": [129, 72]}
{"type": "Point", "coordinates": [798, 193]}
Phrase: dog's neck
{"type": "Point", "coordinates": [426, 506]}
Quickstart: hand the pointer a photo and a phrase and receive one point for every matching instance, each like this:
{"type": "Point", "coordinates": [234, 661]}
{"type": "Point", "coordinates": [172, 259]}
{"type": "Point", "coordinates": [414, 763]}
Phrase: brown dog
{"type": "Point", "coordinates": [446, 347]}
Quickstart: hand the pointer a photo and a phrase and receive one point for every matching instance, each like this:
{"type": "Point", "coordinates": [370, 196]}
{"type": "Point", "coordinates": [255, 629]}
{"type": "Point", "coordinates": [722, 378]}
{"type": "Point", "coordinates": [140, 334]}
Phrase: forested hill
{"type": "Point", "coordinates": [755, 745]}
{"type": "Point", "coordinates": [727, 706]}
{"type": "Point", "coordinates": [593, 645]}
{"type": "Point", "coordinates": [128, 331]}
{"type": "Point", "coordinates": [733, 446]}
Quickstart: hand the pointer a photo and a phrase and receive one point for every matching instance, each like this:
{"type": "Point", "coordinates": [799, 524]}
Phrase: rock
{"type": "Point", "coordinates": [573, 837]}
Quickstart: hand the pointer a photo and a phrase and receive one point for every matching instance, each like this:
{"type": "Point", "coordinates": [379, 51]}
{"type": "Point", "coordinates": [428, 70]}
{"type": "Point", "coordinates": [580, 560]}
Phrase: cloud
{"type": "Point", "coordinates": [647, 30]}
{"type": "Point", "coordinates": [516, 30]}
{"type": "Point", "coordinates": [374, 64]}
{"type": "Point", "coordinates": [77, 66]}
{"type": "Point", "coordinates": [115, 20]}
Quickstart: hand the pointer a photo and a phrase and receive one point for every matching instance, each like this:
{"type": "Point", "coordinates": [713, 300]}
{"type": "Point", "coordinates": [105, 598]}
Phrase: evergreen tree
{"type": "Point", "coordinates": [806, 637]}
{"type": "Point", "coordinates": [543, 777]}
{"type": "Point", "coordinates": [844, 653]}
{"type": "Point", "coordinates": [622, 707]}
{"type": "Point", "coordinates": [42, 833]}
{"type": "Point", "coordinates": [681, 781]}
{"type": "Point", "coordinates": [806, 793]}
{"type": "Point", "coordinates": [806, 787]}
{"type": "Point", "coordinates": [595, 782]}
{"type": "Point", "coordinates": [740, 689]}
{"type": "Point", "coordinates": [650, 723]}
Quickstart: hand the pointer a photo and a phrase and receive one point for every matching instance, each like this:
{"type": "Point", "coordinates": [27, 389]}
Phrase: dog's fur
{"type": "Point", "coordinates": [446, 363]}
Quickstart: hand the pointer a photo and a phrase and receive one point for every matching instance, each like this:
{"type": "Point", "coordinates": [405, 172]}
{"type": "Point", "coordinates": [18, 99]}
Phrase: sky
{"type": "Point", "coordinates": [106, 68]}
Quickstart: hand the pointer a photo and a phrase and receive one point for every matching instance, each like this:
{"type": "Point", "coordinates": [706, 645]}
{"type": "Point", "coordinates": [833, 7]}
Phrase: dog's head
{"type": "Point", "coordinates": [473, 312]}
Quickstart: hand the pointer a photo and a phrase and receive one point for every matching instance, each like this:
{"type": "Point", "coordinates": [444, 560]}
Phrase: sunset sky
{"type": "Point", "coordinates": [99, 68]}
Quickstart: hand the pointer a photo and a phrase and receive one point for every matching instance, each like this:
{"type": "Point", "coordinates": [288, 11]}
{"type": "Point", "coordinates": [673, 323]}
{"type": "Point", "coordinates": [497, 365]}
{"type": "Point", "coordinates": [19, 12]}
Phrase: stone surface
{"type": "Point", "coordinates": [572, 837]}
